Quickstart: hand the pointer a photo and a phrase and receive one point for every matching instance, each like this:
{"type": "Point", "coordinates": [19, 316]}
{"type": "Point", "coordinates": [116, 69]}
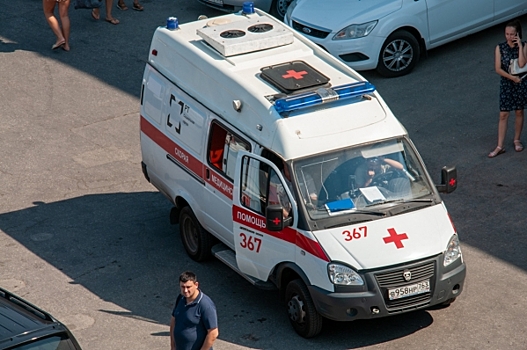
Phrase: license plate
{"type": "Point", "coordinates": [410, 290]}
{"type": "Point", "coordinates": [217, 2]}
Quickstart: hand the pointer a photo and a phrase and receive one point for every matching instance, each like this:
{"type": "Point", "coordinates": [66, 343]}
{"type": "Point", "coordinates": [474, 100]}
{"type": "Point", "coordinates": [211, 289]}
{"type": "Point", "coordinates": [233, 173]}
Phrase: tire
{"type": "Point", "coordinates": [448, 302]}
{"type": "Point", "coordinates": [279, 8]}
{"type": "Point", "coordinates": [196, 240]}
{"type": "Point", "coordinates": [303, 315]}
{"type": "Point", "coordinates": [399, 54]}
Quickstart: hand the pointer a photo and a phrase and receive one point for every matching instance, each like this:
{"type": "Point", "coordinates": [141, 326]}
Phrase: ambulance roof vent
{"type": "Point", "coordinates": [248, 34]}
{"type": "Point", "coordinates": [231, 34]}
{"type": "Point", "coordinates": [260, 28]}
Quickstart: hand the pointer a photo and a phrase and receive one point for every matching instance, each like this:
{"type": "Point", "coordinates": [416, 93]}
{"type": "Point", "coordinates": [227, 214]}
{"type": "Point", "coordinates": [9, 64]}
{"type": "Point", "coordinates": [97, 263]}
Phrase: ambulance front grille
{"type": "Point", "coordinates": [395, 278]}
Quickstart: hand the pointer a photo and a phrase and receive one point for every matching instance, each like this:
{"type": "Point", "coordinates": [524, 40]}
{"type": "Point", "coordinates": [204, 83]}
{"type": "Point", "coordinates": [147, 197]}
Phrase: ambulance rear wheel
{"type": "Point", "coordinates": [303, 315]}
{"type": "Point", "coordinates": [196, 240]}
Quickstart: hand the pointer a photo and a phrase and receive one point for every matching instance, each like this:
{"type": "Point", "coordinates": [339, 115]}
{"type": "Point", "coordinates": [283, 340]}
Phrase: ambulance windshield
{"type": "Point", "coordinates": [362, 179]}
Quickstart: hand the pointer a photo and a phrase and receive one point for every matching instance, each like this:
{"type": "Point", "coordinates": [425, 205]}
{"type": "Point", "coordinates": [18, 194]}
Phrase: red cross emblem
{"type": "Point", "coordinates": [395, 238]}
{"type": "Point", "coordinates": [276, 221]}
{"type": "Point", "coordinates": [294, 74]}
{"type": "Point", "coordinates": [452, 182]}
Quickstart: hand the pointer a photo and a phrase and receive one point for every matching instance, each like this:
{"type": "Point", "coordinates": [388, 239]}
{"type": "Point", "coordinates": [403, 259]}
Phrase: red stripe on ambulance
{"type": "Point", "coordinates": [220, 183]}
{"type": "Point", "coordinates": [257, 222]}
{"type": "Point", "coordinates": [178, 154]}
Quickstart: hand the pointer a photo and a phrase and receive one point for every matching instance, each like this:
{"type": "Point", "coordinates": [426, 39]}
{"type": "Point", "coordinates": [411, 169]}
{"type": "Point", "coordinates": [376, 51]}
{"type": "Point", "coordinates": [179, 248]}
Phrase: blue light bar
{"type": "Point", "coordinates": [323, 95]}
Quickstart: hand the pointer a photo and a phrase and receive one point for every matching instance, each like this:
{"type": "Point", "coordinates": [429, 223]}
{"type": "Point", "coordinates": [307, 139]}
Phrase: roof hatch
{"type": "Point", "coordinates": [292, 76]}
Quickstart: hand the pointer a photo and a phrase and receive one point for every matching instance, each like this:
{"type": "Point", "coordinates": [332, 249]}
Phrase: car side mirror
{"type": "Point", "coordinates": [448, 180]}
{"type": "Point", "coordinates": [275, 221]}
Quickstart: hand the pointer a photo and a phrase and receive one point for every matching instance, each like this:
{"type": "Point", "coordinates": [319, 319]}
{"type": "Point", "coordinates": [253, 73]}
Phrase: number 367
{"type": "Point", "coordinates": [251, 243]}
{"type": "Point", "coordinates": [357, 233]}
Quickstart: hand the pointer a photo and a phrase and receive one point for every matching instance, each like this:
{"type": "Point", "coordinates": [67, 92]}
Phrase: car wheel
{"type": "Point", "coordinates": [399, 54]}
{"type": "Point", "coordinates": [279, 8]}
{"type": "Point", "coordinates": [303, 315]}
{"type": "Point", "coordinates": [196, 240]}
{"type": "Point", "coordinates": [448, 302]}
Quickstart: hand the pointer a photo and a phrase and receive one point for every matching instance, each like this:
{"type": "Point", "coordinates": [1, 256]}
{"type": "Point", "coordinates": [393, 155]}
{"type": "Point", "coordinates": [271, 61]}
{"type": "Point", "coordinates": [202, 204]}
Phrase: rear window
{"type": "Point", "coordinates": [56, 342]}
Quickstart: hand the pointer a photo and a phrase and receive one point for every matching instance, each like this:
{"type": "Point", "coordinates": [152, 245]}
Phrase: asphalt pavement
{"type": "Point", "coordinates": [86, 237]}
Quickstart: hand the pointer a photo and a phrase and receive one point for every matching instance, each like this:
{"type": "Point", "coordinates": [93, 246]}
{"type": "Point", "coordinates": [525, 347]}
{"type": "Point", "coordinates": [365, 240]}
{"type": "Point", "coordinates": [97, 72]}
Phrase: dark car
{"type": "Point", "coordinates": [23, 326]}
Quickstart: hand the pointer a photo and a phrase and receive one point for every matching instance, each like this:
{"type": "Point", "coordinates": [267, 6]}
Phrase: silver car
{"type": "Point", "coordinates": [276, 8]}
{"type": "Point", "coordinates": [390, 35]}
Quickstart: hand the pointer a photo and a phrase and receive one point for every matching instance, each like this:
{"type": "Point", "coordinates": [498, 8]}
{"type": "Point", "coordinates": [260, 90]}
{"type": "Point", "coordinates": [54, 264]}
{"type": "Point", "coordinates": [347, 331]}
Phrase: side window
{"type": "Point", "coordinates": [261, 186]}
{"type": "Point", "coordinates": [223, 149]}
{"type": "Point", "coordinates": [254, 183]}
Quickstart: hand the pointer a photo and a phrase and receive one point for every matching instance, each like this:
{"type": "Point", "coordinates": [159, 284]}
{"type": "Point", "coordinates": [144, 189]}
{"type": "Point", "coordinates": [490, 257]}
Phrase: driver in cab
{"type": "Point", "coordinates": [372, 167]}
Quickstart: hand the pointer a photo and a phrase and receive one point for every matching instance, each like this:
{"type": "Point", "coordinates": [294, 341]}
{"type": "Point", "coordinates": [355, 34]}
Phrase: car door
{"type": "Point", "coordinates": [259, 250]}
{"type": "Point", "coordinates": [223, 145]}
{"type": "Point", "coordinates": [449, 19]}
{"type": "Point", "coordinates": [506, 9]}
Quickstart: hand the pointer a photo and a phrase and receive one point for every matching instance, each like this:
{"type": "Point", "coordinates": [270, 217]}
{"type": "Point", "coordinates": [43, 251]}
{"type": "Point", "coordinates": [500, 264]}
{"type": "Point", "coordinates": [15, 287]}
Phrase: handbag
{"type": "Point", "coordinates": [515, 69]}
{"type": "Point", "coordinates": [87, 4]}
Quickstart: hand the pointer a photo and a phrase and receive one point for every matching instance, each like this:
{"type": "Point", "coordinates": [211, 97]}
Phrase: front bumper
{"type": "Point", "coordinates": [373, 300]}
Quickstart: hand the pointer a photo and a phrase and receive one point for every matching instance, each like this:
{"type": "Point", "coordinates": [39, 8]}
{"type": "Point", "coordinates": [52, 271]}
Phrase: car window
{"type": "Point", "coordinates": [55, 342]}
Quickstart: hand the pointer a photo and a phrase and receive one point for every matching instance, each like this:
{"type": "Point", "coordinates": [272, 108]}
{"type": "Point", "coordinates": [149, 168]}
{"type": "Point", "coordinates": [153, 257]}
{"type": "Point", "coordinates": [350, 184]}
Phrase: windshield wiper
{"type": "Point", "coordinates": [366, 216]}
{"type": "Point", "coordinates": [401, 201]}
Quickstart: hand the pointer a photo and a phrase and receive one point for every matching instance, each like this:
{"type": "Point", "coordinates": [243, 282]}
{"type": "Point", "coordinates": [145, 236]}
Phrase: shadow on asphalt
{"type": "Point", "coordinates": [102, 241]}
{"type": "Point", "coordinates": [122, 248]}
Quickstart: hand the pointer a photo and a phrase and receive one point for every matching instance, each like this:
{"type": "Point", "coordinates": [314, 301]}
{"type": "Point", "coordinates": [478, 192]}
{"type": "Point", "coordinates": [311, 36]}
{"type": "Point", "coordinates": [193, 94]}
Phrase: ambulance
{"type": "Point", "coordinates": [289, 167]}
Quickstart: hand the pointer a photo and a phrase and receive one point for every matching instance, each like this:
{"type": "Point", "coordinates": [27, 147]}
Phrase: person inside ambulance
{"type": "Point", "coordinates": [371, 171]}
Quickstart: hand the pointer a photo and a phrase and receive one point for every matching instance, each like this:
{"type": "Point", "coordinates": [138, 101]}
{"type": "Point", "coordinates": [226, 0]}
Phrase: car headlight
{"type": "Point", "coordinates": [344, 275]}
{"type": "Point", "coordinates": [453, 251]}
{"type": "Point", "coordinates": [355, 31]}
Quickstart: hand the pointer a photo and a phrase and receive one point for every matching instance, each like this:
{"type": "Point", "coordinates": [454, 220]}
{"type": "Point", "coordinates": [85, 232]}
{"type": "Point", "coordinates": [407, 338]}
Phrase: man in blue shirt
{"type": "Point", "coordinates": [194, 322]}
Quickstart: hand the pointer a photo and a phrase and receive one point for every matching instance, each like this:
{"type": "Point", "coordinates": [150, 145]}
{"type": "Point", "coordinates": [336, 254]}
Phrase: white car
{"type": "Point", "coordinates": [390, 35]}
{"type": "Point", "coordinates": [275, 7]}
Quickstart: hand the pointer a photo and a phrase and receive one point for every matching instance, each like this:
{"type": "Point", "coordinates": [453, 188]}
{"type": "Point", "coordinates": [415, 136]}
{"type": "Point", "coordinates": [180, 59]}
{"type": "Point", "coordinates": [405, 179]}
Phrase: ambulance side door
{"type": "Point", "coordinates": [223, 145]}
{"type": "Point", "coordinates": [258, 250]}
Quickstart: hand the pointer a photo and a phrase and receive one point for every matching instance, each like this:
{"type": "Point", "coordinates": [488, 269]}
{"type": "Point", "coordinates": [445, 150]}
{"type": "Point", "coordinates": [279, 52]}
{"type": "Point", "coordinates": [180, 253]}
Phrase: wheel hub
{"type": "Point", "coordinates": [398, 55]}
{"type": "Point", "coordinates": [296, 309]}
{"type": "Point", "coordinates": [282, 6]}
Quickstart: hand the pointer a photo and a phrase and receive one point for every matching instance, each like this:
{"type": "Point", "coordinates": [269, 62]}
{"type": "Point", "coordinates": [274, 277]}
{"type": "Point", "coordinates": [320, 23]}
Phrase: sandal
{"type": "Point", "coordinates": [137, 6]}
{"type": "Point", "coordinates": [95, 16]}
{"type": "Point", "coordinates": [518, 147]}
{"type": "Point", "coordinates": [113, 21]}
{"type": "Point", "coordinates": [59, 44]}
{"type": "Point", "coordinates": [122, 6]}
{"type": "Point", "coordinates": [499, 150]}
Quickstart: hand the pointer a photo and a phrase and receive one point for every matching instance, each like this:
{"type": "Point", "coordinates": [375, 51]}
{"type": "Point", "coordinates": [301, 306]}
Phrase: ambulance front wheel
{"type": "Point", "coordinates": [303, 315]}
{"type": "Point", "coordinates": [196, 240]}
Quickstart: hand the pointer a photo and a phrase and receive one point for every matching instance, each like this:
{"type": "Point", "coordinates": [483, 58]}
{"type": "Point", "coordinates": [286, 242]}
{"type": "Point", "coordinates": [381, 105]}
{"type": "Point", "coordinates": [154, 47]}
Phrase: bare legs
{"type": "Point", "coordinates": [109, 18]}
{"type": "Point", "coordinates": [65, 20]}
{"type": "Point", "coordinates": [49, 7]}
{"type": "Point", "coordinates": [502, 130]}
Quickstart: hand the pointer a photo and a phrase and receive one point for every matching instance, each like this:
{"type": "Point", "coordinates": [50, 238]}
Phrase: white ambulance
{"type": "Point", "coordinates": [289, 167]}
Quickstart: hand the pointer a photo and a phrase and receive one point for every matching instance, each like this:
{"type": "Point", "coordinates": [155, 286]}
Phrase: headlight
{"type": "Point", "coordinates": [343, 275]}
{"type": "Point", "coordinates": [355, 31]}
{"type": "Point", "coordinates": [453, 251]}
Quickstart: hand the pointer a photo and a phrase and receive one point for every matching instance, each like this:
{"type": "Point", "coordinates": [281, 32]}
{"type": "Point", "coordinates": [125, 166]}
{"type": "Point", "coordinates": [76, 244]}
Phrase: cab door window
{"type": "Point", "coordinates": [261, 186]}
{"type": "Point", "coordinates": [223, 149]}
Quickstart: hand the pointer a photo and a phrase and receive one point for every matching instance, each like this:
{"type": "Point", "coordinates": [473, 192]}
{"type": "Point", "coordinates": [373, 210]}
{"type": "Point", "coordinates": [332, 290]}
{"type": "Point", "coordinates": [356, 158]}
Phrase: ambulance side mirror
{"type": "Point", "coordinates": [275, 221]}
{"type": "Point", "coordinates": [448, 180]}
